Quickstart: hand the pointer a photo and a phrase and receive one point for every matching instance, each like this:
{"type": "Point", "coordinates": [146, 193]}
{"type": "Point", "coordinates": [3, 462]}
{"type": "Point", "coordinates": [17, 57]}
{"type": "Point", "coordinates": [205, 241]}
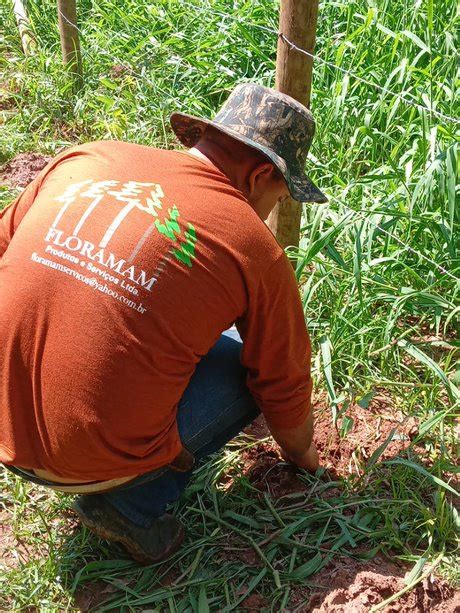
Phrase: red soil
{"type": "Point", "coordinates": [347, 585]}
{"type": "Point", "coordinates": [22, 169]}
{"type": "Point", "coordinates": [12, 551]}
{"type": "Point", "coordinates": [351, 586]}
{"type": "Point", "coordinates": [343, 455]}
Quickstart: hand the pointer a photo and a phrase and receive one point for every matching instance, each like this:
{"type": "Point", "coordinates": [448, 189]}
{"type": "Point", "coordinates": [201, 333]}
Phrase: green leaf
{"type": "Point", "coordinates": [418, 41]}
{"type": "Point", "coordinates": [347, 425]}
{"type": "Point", "coordinates": [451, 161]}
{"type": "Point", "coordinates": [380, 449]}
{"type": "Point", "coordinates": [315, 246]}
{"type": "Point", "coordinates": [357, 260]}
{"type": "Point", "coordinates": [203, 606]}
{"type": "Point", "coordinates": [325, 345]}
{"type": "Point", "coordinates": [420, 356]}
{"type": "Point", "coordinates": [252, 585]}
{"type": "Point", "coordinates": [242, 519]}
{"type": "Point", "coordinates": [416, 571]}
{"type": "Point", "coordinates": [431, 422]}
{"type": "Point", "coordinates": [365, 400]}
{"type": "Point", "coordinates": [309, 568]}
{"type": "Point", "coordinates": [423, 472]}
{"type": "Point", "coordinates": [109, 84]}
{"type": "Point", "coordinates": [346, 533]}
{"type": "Point", "coordinates": [367, 555]}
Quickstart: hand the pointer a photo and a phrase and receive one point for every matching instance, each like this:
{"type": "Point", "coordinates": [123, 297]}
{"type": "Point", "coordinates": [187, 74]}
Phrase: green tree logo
{"type": "Point", "coordinates": [185, 248]}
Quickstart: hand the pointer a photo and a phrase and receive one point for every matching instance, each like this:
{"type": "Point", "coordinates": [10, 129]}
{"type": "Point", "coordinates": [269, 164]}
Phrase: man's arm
{"type": "Point", "coordinates": [276, 352]}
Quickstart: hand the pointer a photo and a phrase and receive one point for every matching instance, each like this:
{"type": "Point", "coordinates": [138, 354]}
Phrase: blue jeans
{"type": "Point", "coordinates": [215, 407]}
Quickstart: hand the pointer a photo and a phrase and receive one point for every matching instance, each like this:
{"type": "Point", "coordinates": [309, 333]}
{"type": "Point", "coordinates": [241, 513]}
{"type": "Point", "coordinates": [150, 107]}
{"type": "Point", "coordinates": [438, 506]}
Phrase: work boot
{"type": "Point", "coordinates": [146, 545]}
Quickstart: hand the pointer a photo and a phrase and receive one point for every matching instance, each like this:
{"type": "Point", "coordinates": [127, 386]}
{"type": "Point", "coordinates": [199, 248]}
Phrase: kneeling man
{"type": "Point", "coordinates": [148, 314]}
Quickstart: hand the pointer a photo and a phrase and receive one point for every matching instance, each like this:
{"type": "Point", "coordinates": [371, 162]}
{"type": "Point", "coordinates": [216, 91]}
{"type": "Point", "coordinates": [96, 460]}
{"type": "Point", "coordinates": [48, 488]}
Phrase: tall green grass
{"type": "Point", "coordinates": [381, 308]}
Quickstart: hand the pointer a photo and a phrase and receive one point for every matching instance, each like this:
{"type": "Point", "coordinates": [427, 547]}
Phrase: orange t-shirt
{"type": "Point", "coordinates": [120, 267]}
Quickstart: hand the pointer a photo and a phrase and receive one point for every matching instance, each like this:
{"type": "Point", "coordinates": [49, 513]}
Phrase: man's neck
{"type": "Point", "coordinates": [214, 156]}
{"type": "Point", "coordinates": [197, 153]}
{"type": "Point", "coordinates": [220, 158]}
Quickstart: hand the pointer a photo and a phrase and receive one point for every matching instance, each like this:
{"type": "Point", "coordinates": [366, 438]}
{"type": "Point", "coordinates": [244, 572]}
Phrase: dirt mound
{"type": "Point", "coordinates": [23, 168]}
{"type": "Point", "coordinates": [350, 586]}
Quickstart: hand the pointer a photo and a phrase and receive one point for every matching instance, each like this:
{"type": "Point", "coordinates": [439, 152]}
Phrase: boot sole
{"type": "Point", "coordinates": [136, 552]}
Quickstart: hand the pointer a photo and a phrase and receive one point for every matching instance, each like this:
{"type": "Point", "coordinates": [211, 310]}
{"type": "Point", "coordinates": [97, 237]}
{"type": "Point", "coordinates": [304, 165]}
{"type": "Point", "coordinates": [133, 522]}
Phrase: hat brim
{"type": "Point", "coordinates": [190, 129]}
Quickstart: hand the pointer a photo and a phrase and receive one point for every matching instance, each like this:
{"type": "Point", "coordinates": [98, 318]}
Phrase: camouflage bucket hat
{"type": "Point", "coordinates": [271, 122]}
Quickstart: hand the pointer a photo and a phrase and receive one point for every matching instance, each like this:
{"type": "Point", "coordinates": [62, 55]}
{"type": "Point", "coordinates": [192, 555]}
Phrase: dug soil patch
{"type": "Point", "coordinates": [346, 585]}
{"type": "Point", "coordinates": [351, 586]}
{"type": "Point", "coordinates": [342, 452]}
{"type": "Point", "coordinates": [23, 168]}
{"type": "Point", "coordinates": [380, 424]}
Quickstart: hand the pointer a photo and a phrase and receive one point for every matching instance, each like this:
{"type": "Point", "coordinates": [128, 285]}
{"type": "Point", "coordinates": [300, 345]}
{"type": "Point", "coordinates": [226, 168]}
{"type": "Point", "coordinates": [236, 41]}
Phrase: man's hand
{"type": "Point", "coordinates": [297, 444]}
{"type": "Point", "coordinates": [309, 460]}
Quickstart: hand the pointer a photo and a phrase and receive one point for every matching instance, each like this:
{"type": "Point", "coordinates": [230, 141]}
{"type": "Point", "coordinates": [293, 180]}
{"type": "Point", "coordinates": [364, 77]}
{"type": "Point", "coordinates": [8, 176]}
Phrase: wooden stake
{"type": "Point", "coordinates": [293, 77]}
{"type": "Point", "coordinates": [27, 39]}
{"type": "Point", "coordinates": [70, 44]}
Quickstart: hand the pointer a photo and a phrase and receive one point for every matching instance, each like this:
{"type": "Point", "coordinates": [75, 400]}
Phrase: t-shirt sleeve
{"type": "Point", "coordinates": [276, 347]}
{"type": "Point", "coordinates": [12, 214]}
